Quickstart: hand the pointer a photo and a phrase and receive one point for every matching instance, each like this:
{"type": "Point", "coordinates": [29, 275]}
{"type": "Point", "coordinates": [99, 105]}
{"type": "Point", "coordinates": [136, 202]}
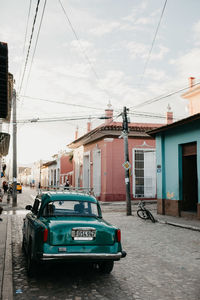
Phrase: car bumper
{"type": "Point", "coordinates": [83, 256]}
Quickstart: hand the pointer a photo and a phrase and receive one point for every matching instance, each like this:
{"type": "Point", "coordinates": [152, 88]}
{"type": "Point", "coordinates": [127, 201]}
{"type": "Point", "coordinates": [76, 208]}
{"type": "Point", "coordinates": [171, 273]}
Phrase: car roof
{"type": "Point", "coordinates": [63, 196]}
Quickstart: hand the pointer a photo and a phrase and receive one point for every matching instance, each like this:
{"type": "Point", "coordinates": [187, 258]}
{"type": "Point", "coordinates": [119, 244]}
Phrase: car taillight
{"type": "Point", "coordinates": [118, 235]}
{"type": "Point", "coordinates": [45, 235]}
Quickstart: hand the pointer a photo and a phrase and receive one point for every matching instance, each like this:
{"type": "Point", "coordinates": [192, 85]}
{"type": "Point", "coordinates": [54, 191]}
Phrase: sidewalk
{"type": "Point", "coordinates": [6, 281]}
{"type": "Point", "coordinates": [188, 221]}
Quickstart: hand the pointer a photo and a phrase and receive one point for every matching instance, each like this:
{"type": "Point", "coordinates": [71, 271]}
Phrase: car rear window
{"type": "Point", "coordinates": [71, 208]}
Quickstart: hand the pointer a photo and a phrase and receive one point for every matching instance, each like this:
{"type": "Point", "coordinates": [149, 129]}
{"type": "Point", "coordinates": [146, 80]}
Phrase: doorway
{"type": "Point", "coordinates": [190, 182]}
{"type": "Point", "coordinates": [144, 173]}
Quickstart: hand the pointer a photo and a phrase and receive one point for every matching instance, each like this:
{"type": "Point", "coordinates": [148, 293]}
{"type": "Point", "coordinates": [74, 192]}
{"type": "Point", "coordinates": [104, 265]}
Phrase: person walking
{"type": "Point", "coordinates": [66, 187]}
{"type": "Point", "coordinates": [5, 186]}
{"type": "Point", "coordinates": [1, 209]}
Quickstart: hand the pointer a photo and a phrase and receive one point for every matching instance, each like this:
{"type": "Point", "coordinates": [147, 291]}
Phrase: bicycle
{"type": "Point", "coordinates": [144, 213]}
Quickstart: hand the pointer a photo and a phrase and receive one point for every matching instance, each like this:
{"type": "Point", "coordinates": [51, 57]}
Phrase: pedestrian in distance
{"type": "Point", "coordinates": [1, 209]}
{"type": "Point", "coordinates": [1, 195]}
{"type": "Point", "coordinates": [66, 187]}
{"type": "Point", "coordinates": [5, 187]}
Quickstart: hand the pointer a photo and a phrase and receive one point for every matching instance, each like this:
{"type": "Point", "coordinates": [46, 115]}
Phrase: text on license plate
{"type": "Point", "coordinates": [87, 235]}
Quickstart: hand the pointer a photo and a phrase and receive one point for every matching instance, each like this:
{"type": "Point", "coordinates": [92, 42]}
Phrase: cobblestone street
{"type": "Point", "coordinates": [162, 263]}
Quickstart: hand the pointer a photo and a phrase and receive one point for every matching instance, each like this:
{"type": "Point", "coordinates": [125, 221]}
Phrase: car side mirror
{"type": "Point", "coordinates": [28, 207]}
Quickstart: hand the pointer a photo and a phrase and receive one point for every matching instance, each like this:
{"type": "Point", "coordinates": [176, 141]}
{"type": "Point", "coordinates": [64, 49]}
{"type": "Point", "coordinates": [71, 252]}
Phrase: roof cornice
{"type": "Point", "coordinates": [114, 130]}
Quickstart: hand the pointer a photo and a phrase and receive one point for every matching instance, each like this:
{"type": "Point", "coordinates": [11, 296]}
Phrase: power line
{"type": "Point", "coordinates": [61, 102]}
{"type": "Point", "coordinates": [152, 44]}
{"type": "Point", "coordinates": [59, 119]}
{"type": "Point", "coordinates": [80, 45]}
{"type": "Point", "coordinates": [32, 31]}
{"type": "Point", "coordinates": [150, 115]}
{"type": "Point", "coordinates": [98, 129]}
{"type": "Point", "coordinates": [156, 99]}
{"type": "Point", "coordinates": [29, 10]}
{"type": "Point", "coordinates": [36, 44]}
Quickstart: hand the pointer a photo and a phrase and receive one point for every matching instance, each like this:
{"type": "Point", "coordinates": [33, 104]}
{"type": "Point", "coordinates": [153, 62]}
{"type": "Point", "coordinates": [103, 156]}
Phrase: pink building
{"type": "Point", "coordinates": [99, 156]}
{"type": "Point", "coordinates": [66, 168]}
{"type": "Point", "coordinates": [193, 96]}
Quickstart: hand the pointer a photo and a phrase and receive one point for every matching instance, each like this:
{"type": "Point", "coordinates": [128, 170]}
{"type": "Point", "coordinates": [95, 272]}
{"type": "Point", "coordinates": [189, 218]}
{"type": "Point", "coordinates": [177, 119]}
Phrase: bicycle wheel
{"type": "Point", "coordinates": [142, 214]}
{"type": "Point", "coordinates": [151, 217]}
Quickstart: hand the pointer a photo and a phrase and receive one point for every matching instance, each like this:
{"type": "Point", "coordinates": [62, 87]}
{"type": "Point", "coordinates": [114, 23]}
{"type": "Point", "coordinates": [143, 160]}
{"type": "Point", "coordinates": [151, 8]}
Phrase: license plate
{"type": "Point", "coordinates": [83, 234]}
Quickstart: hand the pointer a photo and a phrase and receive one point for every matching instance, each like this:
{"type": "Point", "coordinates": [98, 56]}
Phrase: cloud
{"type": "Point", "coordinates": [105, 28]}
{"type": "Point", "coordinates": [136, 11]}
{"type": "Point", "coordinates": [122, 92]}
{"type": "Point", "coordinates": [196, 30]}
{"type": "Point", "coordinates": [189, 63]}
{"type": "Point", "coordinates": [134, 21]}
{"type": "Point", "coordinates": [143, 21]}
{"type": "Point", "coordinates": [160, 54]}
{"type": "Point", "coordinates": [85, 49]}
{"type": "Point", "coordinates": [140, 50]}
{"type": "Point", "coordinates": [137, 50]}
{"type": "Point", "coordinates": [155, 74]}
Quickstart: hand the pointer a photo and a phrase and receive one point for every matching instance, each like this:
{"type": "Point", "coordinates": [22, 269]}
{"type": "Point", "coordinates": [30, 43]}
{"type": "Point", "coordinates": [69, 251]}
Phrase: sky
{"type": "Point", "coordinates": [85, 54]}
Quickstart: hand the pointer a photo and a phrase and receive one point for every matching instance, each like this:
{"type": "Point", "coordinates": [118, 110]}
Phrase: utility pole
{"type": "Point", "coordinates": [0, 160]}
{"type": "Point", "coordinates": [126, 161]}
{"type": "Point", "coordinates": [14, 193]}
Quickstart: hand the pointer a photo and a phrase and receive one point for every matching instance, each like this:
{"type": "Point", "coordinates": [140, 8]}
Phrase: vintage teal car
{"type": "Point", "coordinates": [69, 226]}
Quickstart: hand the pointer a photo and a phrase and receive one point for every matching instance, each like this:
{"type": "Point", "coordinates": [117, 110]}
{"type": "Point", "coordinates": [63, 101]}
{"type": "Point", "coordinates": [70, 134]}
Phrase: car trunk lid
{"type": "Point", "coordinates": [87, 231]}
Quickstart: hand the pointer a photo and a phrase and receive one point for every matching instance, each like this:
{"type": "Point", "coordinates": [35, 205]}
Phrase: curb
{"type": "Point", "coordinates": [7, 290]}
{"type": "Point", "coordinates": [179, 225]}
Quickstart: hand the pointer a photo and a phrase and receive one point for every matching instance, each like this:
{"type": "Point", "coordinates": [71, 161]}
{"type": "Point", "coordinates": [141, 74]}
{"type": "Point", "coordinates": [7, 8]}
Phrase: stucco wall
{"type": "Point", "coordinates": [168, 156]}
{"type": "Point", "coordinates": [65, 164]}
{"type": "Point", "coordinates": [112, 172]}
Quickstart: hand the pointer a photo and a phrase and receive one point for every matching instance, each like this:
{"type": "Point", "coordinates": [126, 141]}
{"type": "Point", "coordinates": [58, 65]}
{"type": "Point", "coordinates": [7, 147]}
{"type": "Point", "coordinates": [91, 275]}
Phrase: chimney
{"type": "Point", "coordinates": [89, 125]}
{"type": "Point", "coordinates": [191, 81]}
{"type": "Point", "coordinates": [109, 114]}
{"type": "Point", "coordinates": [169, 115]}
{"type": "Point", "coordinates": [76, 133]}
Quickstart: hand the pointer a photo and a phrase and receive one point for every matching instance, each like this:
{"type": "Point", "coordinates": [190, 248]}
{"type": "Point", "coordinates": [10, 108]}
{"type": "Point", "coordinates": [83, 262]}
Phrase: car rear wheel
{"type": "Point", "coordinates": [106, 267]}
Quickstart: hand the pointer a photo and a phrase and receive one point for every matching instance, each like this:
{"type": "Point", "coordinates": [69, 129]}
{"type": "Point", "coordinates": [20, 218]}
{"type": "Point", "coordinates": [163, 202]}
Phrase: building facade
{"type": "Point", "coordinates": [66, 168]}
{"type": "Point", "coordinates": [99, 158]}
{"type": "Point", "coordinates": [178, 167]}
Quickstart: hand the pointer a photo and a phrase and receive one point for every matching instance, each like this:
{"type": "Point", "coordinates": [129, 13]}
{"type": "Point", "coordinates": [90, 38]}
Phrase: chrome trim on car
{"type": "Point", "coordinates": [86, 256]}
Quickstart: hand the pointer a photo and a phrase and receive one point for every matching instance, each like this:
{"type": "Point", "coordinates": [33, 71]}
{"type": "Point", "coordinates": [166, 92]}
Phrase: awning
{"type": "Point", "coordinates": [4, 143]}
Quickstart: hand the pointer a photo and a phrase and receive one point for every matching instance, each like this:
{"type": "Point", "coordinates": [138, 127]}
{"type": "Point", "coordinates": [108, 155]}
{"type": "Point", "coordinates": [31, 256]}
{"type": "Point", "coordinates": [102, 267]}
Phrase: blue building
{"type": "Point", "coordinates": [178, 166]}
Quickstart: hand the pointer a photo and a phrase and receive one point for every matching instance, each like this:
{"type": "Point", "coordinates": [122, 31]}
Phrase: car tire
{"type": "Point", "coordinates": [31, 264]}
{"type": "Point", "coordinates": [106, 267]}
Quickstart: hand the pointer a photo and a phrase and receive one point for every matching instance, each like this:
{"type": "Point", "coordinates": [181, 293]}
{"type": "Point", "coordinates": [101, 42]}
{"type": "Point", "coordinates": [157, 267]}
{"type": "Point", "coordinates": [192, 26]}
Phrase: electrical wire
{"type": "Point", "coordinates": [42, 16]}
{"type": "Point", "coordinates": [81, 47]}
{"type": "Point", "coordinates": [59, 119]}
{"type": "Point", "coordinates": [31, 37]}
{"type": "Point", "coordinates": [38, 120]}
{"type": "Point", "coordinates": [156, 99]}
{"type": "Point", "coordinates": [61, 102]}
{"type": "Point", "coordinates": [94, 131]}
{"type": "Point", "coordinates": [29, 11]}
{"type": "Point", "coordinates": [98, 129]}
{"type": "Point", "coordinates": [152, 44]}
{"type": "Point", "coordinates": [151, 115]}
